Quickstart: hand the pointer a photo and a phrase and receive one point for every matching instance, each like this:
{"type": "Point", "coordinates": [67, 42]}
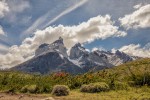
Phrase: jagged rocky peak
{"type": "Point", "coordinates": [102, 52]}
{"type": "Point", "coordinates": [77, 45]}
{"type": "Point", "coordinates": [59, 41]}
{"type": "Point", "coordinates": [43, 45]}
{"type": "Point", "coordinates": [77, 51]}
{"type": "Point", "coordinates": [123, 56]}
{"type": "Point", "coordinates": [59, 47]}
{"type": "Point", "coordinates": [118, 52]}
{"type": "Point", "coordinates": [99, 53]}
{"type": "Point", "coordinates": [42, 48]}
{"type": "Point", "coordinates": [56, 46]}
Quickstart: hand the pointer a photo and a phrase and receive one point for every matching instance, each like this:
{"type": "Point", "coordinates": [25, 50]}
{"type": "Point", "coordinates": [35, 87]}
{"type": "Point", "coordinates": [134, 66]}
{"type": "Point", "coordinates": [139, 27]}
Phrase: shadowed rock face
{"type": "Point", "coordinates": [77, 51]}
{"type": "Point", "coordinates": [48, 63]}
{"type": "Point", "coordinates": [123, 56]}
{"type": "Point", "coordinates": [56, 46]}
{"type": "Point", "coordinates": [50, 58]}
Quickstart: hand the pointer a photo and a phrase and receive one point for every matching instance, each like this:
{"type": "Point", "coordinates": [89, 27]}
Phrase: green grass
{"type": "Point", "coordinates": [133, 74]}
{"type": "Point", "coordinates": [131, 94]}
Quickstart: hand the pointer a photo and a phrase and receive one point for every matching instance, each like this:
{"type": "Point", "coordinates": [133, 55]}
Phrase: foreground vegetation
{"type": "Point", "coordinates": [142, 93]}
{"type": "Point", "coordinates": [120, 81]}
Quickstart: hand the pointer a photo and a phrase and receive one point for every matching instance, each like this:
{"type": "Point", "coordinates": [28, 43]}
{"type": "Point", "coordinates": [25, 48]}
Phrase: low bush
{"type": "Point", "coordinates": [24, 89]}
{"type": "Point", "coordinates": [30, 89]}
{"type": "Point", "coordinates": [95, 87]}
{"type": "Point", "coordinates": [60, 90]}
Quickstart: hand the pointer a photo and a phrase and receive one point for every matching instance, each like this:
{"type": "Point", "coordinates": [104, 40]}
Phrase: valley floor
{"type": "Point", "coordinates": [131, 94]}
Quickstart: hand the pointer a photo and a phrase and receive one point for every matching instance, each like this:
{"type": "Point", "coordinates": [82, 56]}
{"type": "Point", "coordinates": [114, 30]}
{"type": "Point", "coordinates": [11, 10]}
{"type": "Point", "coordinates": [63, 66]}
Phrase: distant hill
{"type": "Point", "coordinates": [137, 67]}
{"type": "Point", "coordinates": [137, 72]}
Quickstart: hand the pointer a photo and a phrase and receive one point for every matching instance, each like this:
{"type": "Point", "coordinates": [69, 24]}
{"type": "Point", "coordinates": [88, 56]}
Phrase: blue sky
{"type": "Point", "coordinates": [92, 8]}
{"type": "Point", "coordinates": [20, 19]}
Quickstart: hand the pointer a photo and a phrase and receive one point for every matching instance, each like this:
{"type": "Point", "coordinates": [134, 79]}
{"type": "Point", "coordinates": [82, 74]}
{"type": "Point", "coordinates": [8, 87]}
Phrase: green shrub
{"type": "Point", "coordinates": [30, 89]}
{"type": "Point", "coordinates": [74, 85]}
{"type": "Point", "coordinates": [24, 89]}
{"type": "Point", "coordinates": [60, 90]}
{"type": "Point", "coordinates": [120, 86]}
{"type": "Point", "coordinates": [45, 89]}
{"type": "Point", "coordinates": [95, 87]}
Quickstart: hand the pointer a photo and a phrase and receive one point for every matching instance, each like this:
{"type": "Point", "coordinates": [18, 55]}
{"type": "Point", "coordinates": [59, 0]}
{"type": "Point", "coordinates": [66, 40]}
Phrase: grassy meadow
{"type": "Point", "coordinates": [129, 81]}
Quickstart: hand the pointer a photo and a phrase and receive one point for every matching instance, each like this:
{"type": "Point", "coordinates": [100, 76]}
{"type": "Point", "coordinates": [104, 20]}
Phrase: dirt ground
{"type": "Point", "coordinates": [5, 96]}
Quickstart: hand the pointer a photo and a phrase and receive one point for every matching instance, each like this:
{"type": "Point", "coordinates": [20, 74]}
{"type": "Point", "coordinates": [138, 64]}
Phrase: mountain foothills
{"type": "Point", "coordinates": [51, 58]}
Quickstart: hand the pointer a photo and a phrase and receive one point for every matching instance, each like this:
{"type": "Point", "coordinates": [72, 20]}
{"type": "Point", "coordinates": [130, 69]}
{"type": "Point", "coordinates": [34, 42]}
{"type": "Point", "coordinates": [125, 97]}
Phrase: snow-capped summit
{"type": "Point", "coordinates": [102, 53]}
{"type": "Point", "coordinates": [77, 51]}
{"type": "Point", "coordinates": [49, 58]}
{"type": "Point", "coordinates": [119, 57]}
{"type": "Point", "coordinates": [56, 46]}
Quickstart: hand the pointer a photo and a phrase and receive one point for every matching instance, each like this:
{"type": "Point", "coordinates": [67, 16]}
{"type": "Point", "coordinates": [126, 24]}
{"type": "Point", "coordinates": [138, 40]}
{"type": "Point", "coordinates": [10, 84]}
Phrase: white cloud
{"type": "Point", "coordinates": [16, 54]}
{"type": "Point", "coordinates": [1, 31]}
{"type": "Point", "coordinates": [16, 7]}
{"type": "Point", "coordinates": [44, 18]}
{"type": "Point", "coordinates": [138, 6]}
{"type": "Point", "coordinates": [137, 50]}
{"type": "Point", "coordinates": [3, 8]}
{"type": "Point", "coordinates": [98, 48]}
{"type": "Point", "coordinates": [138, 19]}
{"type": "Point", "coordinates": [68, 10]}
{"type": "Point", "coordinates": [95, 28]}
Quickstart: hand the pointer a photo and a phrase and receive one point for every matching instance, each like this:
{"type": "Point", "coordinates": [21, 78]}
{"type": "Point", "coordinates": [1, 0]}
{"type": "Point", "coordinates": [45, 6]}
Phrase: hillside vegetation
{"type": "Point", "coordinates": [135, 75]}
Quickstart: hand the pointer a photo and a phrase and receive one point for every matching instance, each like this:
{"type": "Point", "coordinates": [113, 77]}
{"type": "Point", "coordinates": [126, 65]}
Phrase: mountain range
{"type": "Point", "coordinates": [51, 58]}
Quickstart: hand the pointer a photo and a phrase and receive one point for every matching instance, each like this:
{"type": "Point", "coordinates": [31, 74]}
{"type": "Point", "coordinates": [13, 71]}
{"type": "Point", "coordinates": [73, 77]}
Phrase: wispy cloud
{"type": "Point", "coordinates": [68, 10]}
{"type": "Point", "coordinates": [36, 24]}
{"type": "Point", "coordinates": [41, 21]}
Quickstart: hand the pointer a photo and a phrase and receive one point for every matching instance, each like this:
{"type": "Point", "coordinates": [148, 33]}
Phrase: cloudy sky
{"type": "Point", "coordinates": [98, 24]}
